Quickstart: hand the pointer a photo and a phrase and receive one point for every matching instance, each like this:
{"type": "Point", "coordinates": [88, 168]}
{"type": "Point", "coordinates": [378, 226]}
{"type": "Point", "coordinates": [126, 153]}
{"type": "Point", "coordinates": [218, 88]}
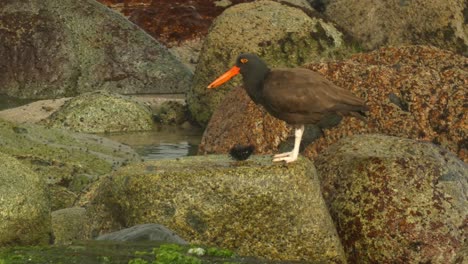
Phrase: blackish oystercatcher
{"type": "Point", "coordinates": [296, 95]}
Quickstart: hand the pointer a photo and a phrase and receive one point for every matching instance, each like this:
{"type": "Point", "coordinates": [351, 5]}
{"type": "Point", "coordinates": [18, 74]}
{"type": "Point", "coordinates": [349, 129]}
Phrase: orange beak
{"type": "Point", "coordinates": [225, 77]}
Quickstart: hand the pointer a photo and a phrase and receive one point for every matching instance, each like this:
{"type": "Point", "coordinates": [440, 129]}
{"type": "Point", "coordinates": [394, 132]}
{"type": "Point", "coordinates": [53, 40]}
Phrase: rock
{"type": "Point", "coordinates": [145, 232]}
{"type": "Point", "coordinates": [256, 207]}
{"type": "Point", "coordinates": [171, 113]}
{"type": "Point", "coordinates": [99, 112]}
{"type": "Point", "coordinates": [63, 158]}
{"type": "Point", "coordinates": [442, 23]}
{"type": "Point", "coordinates": [413, 92]}
{"type": "Point", "coordinates": [33, 112]}
{"type": "Point", "coordinates": [67, 225]}
{"type": "Point", "coordinates": [240, 121]}
{"type": "Point", "coordinates": [396, 200]}
{"type": "Point", "coordinates": [282, 35]}
{"type": "Point", "coordinates": [57, 48]}
{"type": "Point", "coordinates": [181, 26]}
{"type": "Point", "coordinates": [174, 23]}
{"type": "Point", "coordinates": [62, 197]}
{"type": "Point", "coordinates": [24, 205]}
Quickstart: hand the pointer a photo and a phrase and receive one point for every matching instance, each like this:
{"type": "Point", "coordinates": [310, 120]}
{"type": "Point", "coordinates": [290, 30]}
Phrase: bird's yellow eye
{"type": "Point", "coordinates": [244, 60]}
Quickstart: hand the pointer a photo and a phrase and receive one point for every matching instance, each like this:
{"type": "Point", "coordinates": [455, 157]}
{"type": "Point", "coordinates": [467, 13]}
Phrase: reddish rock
{"type": "Point", "coordinates": [416, 92]}
{"type": "Point", "coordinates": [171, 21]}
{"type": "Point", "coordinates": [240, 121]}
{"type": "Point", "coordinates": [396, 200]}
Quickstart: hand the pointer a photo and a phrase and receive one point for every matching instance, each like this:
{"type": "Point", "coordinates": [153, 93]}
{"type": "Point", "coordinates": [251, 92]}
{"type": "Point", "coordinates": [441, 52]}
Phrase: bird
{"type": "Point", "coordinates": [297, 96]}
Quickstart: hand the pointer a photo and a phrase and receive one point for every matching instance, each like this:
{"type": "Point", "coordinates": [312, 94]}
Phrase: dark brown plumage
{"type": "Point", "coordinates": [241, 152]}
{"type": "Point", "coordinates": [296, 95]}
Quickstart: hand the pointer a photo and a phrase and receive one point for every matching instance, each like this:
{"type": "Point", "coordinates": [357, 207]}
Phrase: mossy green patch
{"type": "Point", "coordinates": [111, 252]}
{"type": "Point", "coordinates": [257, 207]}
{"type": "Point", "coordinates": [63, 158]}
{"type": "Point", "coordinates": [99, 112]}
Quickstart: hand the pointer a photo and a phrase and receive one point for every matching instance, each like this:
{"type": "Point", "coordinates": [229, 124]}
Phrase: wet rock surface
{"type": "Point", "coordinates": [145, 232]}
{"type": "Point", "coordinates": [63, 48]}
{"type": "Point", "coordinates": [24, 204]}
{"type": "Point", "coordinates": [396, 200]}
{"type": "Point", "coordinates": [99, 112]}
{"type": "Point", "coordinates": [255, 208]}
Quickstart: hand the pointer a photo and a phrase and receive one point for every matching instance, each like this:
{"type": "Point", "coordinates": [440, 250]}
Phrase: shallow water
{"type": "Point", "coordinates": [10, 102]}
{"type": "Point", "coordinates": [161, 143]}
{"type": "Point", "coordinates": [166, 142]}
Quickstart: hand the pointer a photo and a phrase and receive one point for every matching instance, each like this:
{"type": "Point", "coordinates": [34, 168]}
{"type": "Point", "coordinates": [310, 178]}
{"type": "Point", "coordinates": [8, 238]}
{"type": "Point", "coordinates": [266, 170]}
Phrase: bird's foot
{"type": "Point", "coordinates": [287, 156]}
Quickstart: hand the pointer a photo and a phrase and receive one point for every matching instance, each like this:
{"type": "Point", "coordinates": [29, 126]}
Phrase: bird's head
{"type": "Point", "coordinates": [246, 64]}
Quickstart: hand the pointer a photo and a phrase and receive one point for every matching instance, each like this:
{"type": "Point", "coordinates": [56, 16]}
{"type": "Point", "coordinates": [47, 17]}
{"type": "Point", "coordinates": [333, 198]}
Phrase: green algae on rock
{"type": "Point", "coordinates": [396, 200]}
{"type": "Point", "coordinates": [255, 208]}
{"type": "Point", "coordinates": [99, 112]}
{"type": "Point", "coordinates": [171, 113]}
{"type": "Point", "coordinates": [24, 204]}
{"type": "Point", "coordinates": [282, 35]}
{"type": "Point", "coordinates": [67, 225]}
{"type": "Point", "coordinates": [61, 157]}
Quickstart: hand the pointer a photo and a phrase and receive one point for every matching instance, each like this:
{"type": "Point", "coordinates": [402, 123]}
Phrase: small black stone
{"type": "Point", "coordinates": [241, 152]}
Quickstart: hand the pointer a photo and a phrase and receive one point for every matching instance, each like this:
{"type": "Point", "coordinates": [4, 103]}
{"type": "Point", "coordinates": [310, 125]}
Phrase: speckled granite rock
{"type": "Point", "coordinates": [57, 48]}
{"type": "Point", "coordinates": [24, 205]}
{"type": "Point", "coordinates": [416, 92]}
{"type": "Point", "coordinates": [282, 35]}
{"type": "Point", "coordinates": [99, 112]}
{"type": "Point", "coordinates": [396, 200]}
{"type": "Point", "coordinates": [240, 121]}
{"type": "Point", "coordinates": [256, 208]}
{"type": "Point", "coordinates": [442, 23]}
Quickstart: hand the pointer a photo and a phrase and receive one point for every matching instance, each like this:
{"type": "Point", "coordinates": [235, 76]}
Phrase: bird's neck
{"type": "Point", "coordinates": [254, 84]}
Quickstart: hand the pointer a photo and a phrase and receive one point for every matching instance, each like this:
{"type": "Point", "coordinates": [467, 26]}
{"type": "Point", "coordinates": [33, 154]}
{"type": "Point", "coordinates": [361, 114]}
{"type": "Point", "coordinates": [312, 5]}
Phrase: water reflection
{"type": "Point", "coordinates": [161, 143]}
{"type": "Point", "coordinates": [7, 102]}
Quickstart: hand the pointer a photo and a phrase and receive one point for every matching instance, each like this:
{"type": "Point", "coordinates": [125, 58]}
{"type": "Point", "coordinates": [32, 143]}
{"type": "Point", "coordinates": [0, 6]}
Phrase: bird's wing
{"type": "Point", "coordinates": [302, 91]}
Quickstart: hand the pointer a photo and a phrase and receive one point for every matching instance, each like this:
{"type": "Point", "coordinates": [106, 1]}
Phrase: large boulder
{"type": "Point", "coordinates": [281, 34]}
{"type": "Point", "coordinates": [255, 208]}
{"type": "Point", "coordinates": [416, 92]}
{"type": "Point", "coordinates": [67, 161]}
{"type": "Point", "coordinates": [24, 204]}
{"type": "Point", "coordinates": [239, 121]}
{"type": "Point", "coordinates": [396, 200]}
{"type": "Point", "coordinates": [55, 48]}
{"type": "Point", "coordinates": [442, 23]}
{"type": "Point", "coordinates": [99, 112]}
